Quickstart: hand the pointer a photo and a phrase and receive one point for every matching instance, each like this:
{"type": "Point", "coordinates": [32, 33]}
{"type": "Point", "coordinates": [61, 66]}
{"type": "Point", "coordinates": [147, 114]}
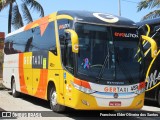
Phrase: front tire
{"type": "Point", "coordinates": [13, 88]}
{"type": "Point", "coordinates": [53, 102]}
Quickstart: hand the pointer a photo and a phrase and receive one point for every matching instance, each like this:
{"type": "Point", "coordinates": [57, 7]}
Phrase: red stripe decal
{"type": "Point", "coordinates": [21, 74]}
{"type": "Point", "coordinates": [42, 86]}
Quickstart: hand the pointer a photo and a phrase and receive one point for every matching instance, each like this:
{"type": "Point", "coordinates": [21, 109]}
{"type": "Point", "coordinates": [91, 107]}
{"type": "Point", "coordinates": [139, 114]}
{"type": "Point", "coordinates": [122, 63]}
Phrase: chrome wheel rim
{"type": "Point", "coordinates": [14, 88]}
{"type": "Point", "coordinates": [54, 98]}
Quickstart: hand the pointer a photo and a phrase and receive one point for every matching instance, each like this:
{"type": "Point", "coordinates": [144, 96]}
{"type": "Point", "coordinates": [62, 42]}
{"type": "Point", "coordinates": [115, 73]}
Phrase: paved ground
{"type": "Point", "coordinates": [28, 103]}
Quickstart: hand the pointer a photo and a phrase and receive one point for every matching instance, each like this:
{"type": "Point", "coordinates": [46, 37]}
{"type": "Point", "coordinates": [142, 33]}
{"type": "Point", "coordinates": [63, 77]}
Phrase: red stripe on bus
{"type": "Point", "coordinates": [86, 84]}
{"type": "Point", "coordinates": [21, 74]}
{"type": "Point", "coordinates": [82, 83]}
{"type": "Point", "coordinates": [42, 86]}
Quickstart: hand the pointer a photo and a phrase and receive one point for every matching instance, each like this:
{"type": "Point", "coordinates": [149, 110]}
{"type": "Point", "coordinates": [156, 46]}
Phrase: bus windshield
{"type": "Point", "coordinates": [107, 54]}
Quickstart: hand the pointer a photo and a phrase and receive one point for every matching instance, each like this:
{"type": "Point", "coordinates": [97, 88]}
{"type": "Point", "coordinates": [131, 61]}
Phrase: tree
{"type": "Point", "coordinates": [14, 16]}
{"type": "Point", "coordinates": [144, 4]}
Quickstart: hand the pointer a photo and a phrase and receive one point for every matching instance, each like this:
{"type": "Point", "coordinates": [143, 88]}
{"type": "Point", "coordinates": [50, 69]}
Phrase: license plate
{"type": "Point", "coordinates": [114, 103]}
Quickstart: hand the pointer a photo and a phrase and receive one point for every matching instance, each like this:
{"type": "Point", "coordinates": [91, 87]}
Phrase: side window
{"type": "Point", "coordinates": [66, 50]}
{"type": "Point", "coordinates": [17, 43]}
{"type": "Point", "coordinates": [43, 38]}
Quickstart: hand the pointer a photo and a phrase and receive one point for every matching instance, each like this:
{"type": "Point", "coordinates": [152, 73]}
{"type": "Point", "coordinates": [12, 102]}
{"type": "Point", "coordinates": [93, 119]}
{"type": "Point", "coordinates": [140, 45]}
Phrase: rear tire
{"type": "Point", "coordinates": [53, 101]}
{"type": "Point", "coordinates": [14, 92]}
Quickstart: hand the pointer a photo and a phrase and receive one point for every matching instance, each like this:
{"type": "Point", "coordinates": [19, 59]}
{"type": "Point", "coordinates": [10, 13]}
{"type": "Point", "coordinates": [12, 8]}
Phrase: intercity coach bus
{"type": "Point", "coordinates": [152, 66]}
{"type": "Point", "coordinates": [78, 59]}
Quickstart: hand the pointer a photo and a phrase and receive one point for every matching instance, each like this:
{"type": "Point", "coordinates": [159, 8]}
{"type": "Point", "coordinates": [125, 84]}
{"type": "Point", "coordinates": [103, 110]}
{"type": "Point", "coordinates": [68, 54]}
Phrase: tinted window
{"type": "Point", "coordinates": [39, 38]}
{"type": "Point", "coordinates": [66, 52]}
{"type": "Point", "coordinates": [44, 40]}
{"type": "Point", "coordinates": [17, 43]}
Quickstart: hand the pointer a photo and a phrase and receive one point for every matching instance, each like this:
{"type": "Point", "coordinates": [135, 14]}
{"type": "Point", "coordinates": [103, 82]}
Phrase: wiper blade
{"type": "Point", "coordinates": [103, 66]}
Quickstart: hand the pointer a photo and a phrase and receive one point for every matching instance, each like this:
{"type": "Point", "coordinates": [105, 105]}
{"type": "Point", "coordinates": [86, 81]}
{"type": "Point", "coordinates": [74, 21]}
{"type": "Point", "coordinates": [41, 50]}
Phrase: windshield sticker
{"type": "Point", "coordinates": [64, 26]}
{"type": "Point", "coordinates": [106, 17]}
{"type": "Point", "coordinates": [126, 35]}
{"type": "Point", "coordinates": [86, 63]}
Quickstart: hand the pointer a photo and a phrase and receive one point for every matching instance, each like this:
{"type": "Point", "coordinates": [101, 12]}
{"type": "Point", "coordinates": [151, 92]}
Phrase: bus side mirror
{"type": "Point", "coordinates": [153, 45]}
{"type": "Point", "coordinates": [74, 40]}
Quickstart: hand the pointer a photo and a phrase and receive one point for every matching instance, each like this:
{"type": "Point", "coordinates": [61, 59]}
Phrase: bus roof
{"type": "Point", "coordinates": [83, 16]}
{"type": "Point", "coordinates": [90, 17]}
{"type": "Point", "coordinates": [150, 22]}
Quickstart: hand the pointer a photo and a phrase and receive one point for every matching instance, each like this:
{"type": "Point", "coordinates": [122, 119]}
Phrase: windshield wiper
{"type": "Point", "coordinates": [106, 60]}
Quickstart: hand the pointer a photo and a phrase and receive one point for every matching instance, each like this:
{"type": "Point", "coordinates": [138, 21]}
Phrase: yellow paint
{"type": "Point", "coordinates": [44, 63]}
{"type": "Point", "coordinates": [74, 40]}
{"type": "Point", "coordinates": [28, 79]}
{"type": "Point", "coordinates": [148, 30]}
{"type": "Point", "coordinates": [52, 17]}
{"type": "Point", "coordinates": [153, 45]}
{"type": "Point", "coordinates": [153, 87]}
{"type": "Point", "coordinates": [149, 68]}
{"type": "Point", "coordinates": [151, 64]}
{"type": "Point", "coordinates": [68, 94]}
{"type": "Point", "coordinates": [28, 71]}
{"type": "Point", "coordinates": [35, 25]}
{"type": "Point", "coordinates": [64, 17]}
{"type": "Point", "coordinates": [55, 79]}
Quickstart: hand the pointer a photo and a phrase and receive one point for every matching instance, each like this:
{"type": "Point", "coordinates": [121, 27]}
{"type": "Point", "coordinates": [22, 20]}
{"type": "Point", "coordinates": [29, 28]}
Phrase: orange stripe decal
{"type": "Point", "coordinates": [37, 22]}
{"type": "Point", "coordinates": [21, 74]}
{"type": "Point", "coordinates": [42, 86]}
{"type": "Point", "coordinates": [82, 83]}
{"type": "Point", "coordinates": [77, 81]}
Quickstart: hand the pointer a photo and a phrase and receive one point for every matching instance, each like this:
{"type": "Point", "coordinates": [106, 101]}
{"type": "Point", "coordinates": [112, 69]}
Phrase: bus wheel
{"type": "Point", "coordinates": [158, 98]}
{"type": "Point", "coordinates": [14, 92]}
{"type": "Point", "coordinates": [53, 102]}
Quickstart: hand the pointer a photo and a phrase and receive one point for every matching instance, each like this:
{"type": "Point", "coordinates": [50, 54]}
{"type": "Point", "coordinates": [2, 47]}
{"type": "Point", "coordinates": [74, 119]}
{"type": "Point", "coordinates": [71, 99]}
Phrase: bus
{"type": "Point", "coordinates": [152, 68]}
{"type": "Point", "coordinates": [78, 59]}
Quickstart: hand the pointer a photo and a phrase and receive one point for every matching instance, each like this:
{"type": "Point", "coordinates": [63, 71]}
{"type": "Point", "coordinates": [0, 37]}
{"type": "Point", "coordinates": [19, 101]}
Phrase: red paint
{"type": "Point", "coordinates": [21, 75]}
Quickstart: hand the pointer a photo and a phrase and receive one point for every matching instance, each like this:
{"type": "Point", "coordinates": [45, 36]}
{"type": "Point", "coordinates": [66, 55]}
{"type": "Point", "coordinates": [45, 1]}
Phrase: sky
{"type": "Point", "coordinates": [128, 9]}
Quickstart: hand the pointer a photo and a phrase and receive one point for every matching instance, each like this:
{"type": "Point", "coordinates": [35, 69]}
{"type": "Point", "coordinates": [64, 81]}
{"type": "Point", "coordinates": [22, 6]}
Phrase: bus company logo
{"type": "Point", "coordinates": [106, 17]}
{"type": "Point", "coordinates": [64, 26]}
{"type": "Point", "coordinates": [125, 35]}
{"type": "Point", "coordinates": [153, 80]}
{"type": "Point", "coordinates": [76, 47]}
{"type": "Point", "coordinates": [116, 89]}
{"type": "Point", "coordinates": [115, 95]}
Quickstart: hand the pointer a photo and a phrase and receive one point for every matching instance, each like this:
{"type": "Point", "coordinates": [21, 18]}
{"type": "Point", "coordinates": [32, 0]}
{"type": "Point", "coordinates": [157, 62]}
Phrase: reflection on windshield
{"type": "Point", "coordinates": [95, 43]}
{"type": "Point", "coordinates": [100, 43]}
